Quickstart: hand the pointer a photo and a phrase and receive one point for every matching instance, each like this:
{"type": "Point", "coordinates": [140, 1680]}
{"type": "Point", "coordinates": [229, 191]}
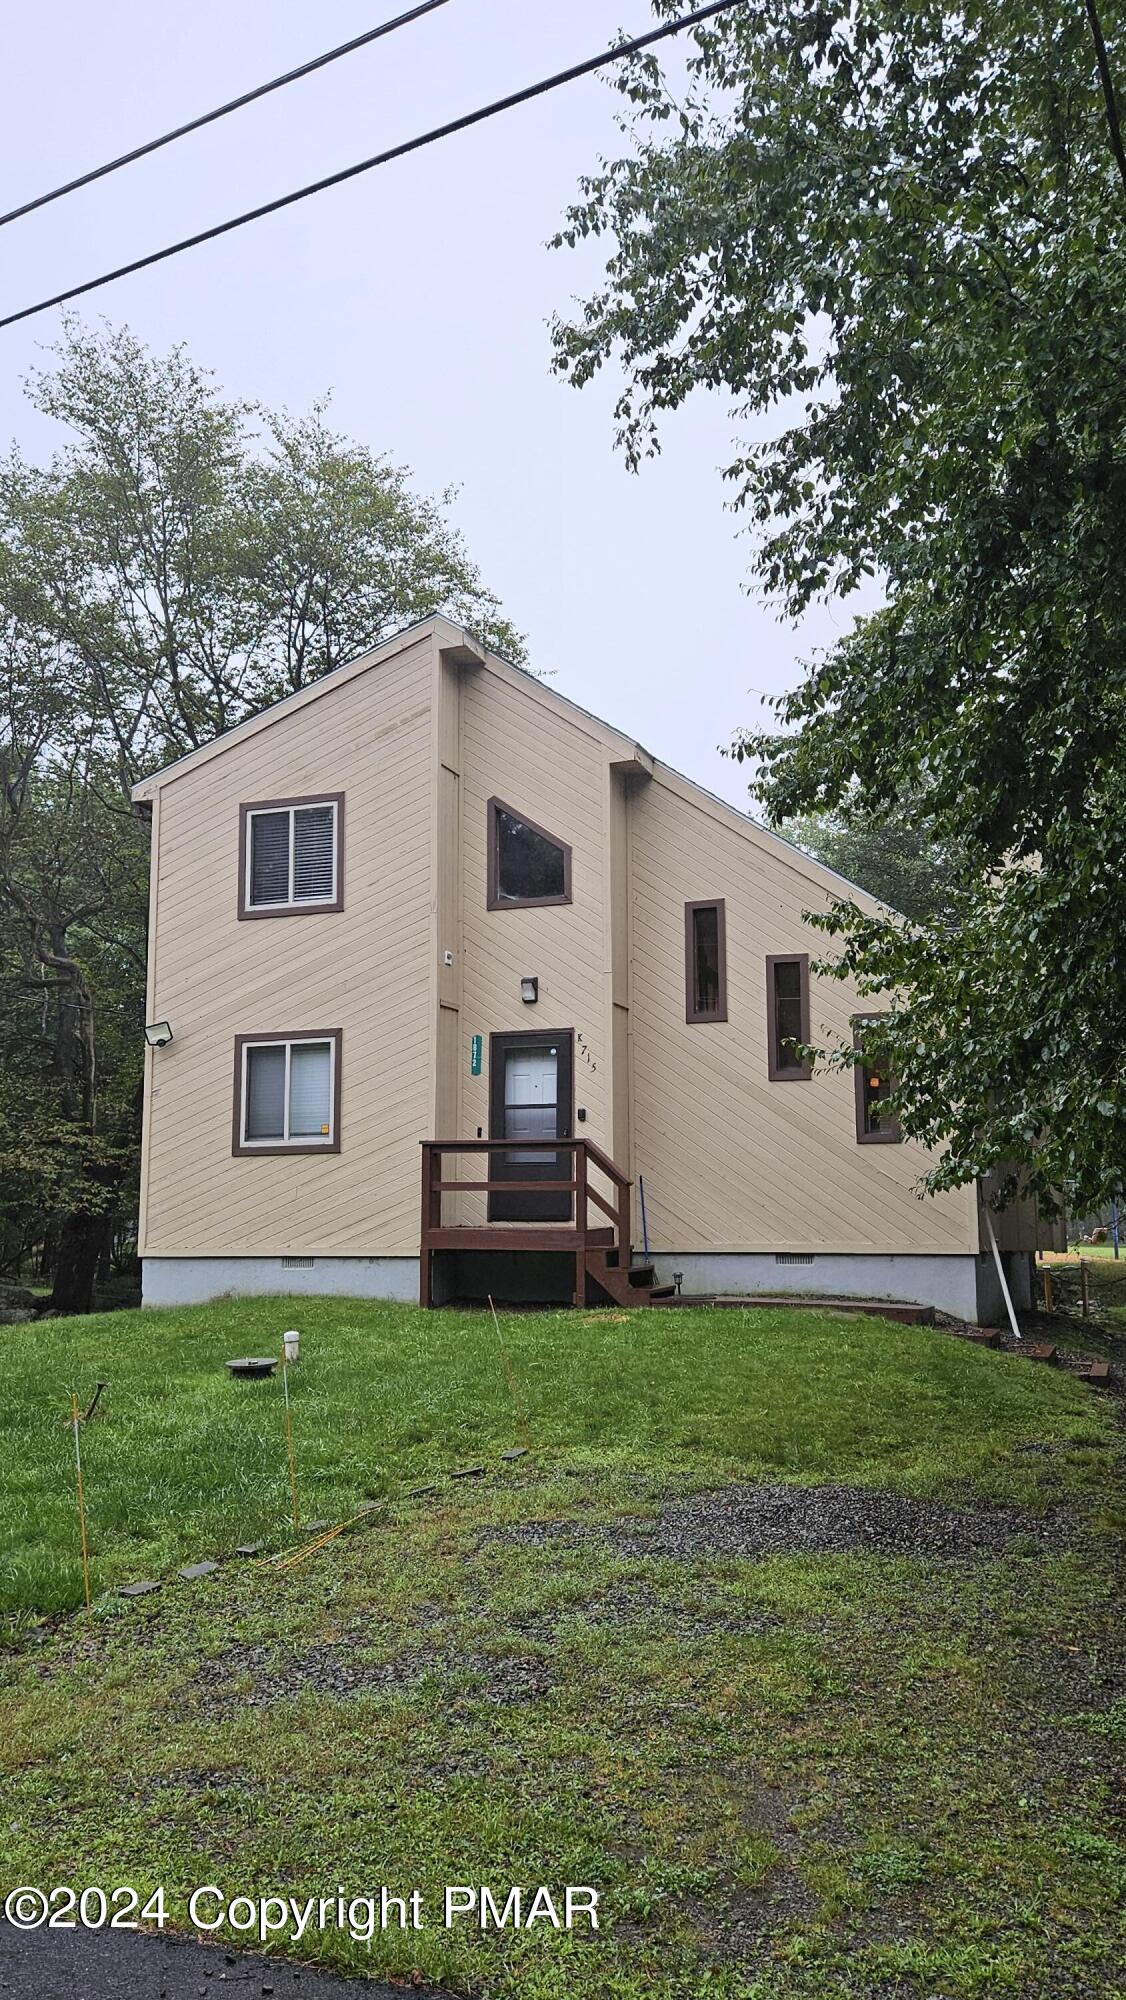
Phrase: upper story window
{"type": "Point", "coordinates": [705, 962]}
{"type": "Point", "coordinates": [787, 1018]}
{"type": "Point", "coordinates": [527, 865]}
{"type": "Point", "coordinates": [291, 856]}
{"type": "Point", "coordinates": [876, 1122]}
{"type": "Point", "coordinates": [287, 1093]}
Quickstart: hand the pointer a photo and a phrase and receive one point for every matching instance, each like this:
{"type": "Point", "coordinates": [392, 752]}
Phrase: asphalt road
{"type": "Point", "coordinates": [134, 1965]}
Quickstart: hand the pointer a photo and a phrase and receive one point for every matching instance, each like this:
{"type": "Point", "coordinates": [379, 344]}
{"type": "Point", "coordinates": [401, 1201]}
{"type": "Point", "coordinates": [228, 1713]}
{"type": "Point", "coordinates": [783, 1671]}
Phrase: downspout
{"type": "Point", "coordinates": [1006, 1294]}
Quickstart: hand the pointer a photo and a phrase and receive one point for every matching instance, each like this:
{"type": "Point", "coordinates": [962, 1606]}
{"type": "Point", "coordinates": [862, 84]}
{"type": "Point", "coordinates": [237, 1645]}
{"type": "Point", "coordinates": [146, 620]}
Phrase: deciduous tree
{"type": "Point", "coordinates": [182, 561]}
{"type": "Point", "coordinates": [896, 237]}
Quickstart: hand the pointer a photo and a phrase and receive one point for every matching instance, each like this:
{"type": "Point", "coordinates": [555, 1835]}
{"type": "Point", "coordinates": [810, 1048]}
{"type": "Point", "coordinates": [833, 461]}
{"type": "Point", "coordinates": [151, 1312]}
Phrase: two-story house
{"type": "Point", "coordinates": [430, 899]}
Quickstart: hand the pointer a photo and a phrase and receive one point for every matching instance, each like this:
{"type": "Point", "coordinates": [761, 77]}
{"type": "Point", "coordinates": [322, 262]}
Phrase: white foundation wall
{"type": "Point", "coordinates": [965, 1287]}
{"type": "Point", "coordinates": [195, 1281]}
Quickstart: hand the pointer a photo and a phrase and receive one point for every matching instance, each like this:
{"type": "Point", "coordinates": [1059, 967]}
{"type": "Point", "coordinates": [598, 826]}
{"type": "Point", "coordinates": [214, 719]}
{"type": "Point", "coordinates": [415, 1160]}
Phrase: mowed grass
{"type": "Point", "coordinates": [183, 1463]}
{"type": "Point", "coordinates": [790, 1777]}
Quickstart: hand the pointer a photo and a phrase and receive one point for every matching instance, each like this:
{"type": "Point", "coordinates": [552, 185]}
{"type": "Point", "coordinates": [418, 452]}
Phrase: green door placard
{"type": "Point", "coordinates": [476, 1049]}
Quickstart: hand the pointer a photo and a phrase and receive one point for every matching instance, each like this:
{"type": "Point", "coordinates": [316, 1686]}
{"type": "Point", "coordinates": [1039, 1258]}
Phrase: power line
{"type": "Point", "coordinates": [222, 110]}
{"type": "Point", "coordinates": [415, 145]}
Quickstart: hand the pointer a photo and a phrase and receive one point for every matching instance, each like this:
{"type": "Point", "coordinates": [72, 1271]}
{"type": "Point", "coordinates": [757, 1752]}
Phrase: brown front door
{"type": "Point", "coordinates": [530, 1097]}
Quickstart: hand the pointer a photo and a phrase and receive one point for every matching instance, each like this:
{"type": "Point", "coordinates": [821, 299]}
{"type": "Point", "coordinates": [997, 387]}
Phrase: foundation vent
{"type": "Point", "coordinates": [297, 1263]}
{"type": "Point", "coordinates": [793, 1256]}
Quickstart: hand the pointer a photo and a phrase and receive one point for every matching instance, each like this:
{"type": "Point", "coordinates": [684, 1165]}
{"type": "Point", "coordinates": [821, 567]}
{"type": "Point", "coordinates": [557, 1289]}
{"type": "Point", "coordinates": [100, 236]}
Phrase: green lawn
{"type": "Point", "coordinates": [792, 1776]}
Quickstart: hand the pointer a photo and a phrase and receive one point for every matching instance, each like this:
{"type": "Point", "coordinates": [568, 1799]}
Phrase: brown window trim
{"type": "Point", "coordinates": [243, 1151]}
{"type": "Point", "coordinates": [494, 900]}
{"type": "Point", "coordinates": [248, 911]}
{"type": "Point", "coordinates": [893, 1136]}
{"type": "Point", "coordinates": [717, 904]}
{"type": "Point", "coordinates": [796, 1073]}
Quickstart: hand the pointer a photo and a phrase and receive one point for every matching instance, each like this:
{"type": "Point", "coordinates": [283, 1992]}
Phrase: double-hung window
{"type": "Point", "coordinates": [291, 856]}
{"type": "Point", "coordinates": [287, 1093]}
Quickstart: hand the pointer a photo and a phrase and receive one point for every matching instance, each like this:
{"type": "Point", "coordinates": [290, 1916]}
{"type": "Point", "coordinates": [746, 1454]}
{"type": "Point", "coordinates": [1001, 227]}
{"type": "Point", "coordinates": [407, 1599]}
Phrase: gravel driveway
{"type": "Point", "coordinates": [808, 1520]}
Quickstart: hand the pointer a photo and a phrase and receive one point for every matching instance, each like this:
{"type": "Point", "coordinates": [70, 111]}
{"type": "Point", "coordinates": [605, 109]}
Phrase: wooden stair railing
{"type": "Point", "coordinates": [601, 1254]}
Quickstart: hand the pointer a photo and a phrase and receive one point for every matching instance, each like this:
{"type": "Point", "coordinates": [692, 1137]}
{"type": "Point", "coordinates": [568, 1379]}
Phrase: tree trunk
{"type": "Point", "coordinates": [82, 1239]}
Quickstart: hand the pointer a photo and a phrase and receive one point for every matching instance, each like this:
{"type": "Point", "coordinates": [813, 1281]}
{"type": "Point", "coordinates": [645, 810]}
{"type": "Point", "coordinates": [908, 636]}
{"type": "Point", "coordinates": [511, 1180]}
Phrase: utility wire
{"type": "Point", "coordinates": [415, 145]}
{"type": "Point", "coordinates": [222, 110]}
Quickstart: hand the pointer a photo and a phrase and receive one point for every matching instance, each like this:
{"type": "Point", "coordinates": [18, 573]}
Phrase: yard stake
{"type": "Point", "coordinates": [289, 1558]}
{"type": "Point", "coordinates": [75, 1420]}
{"type": "Point", "coordinates": [510, 1378]}
{"type": "Point", "coordinates": [289, 1443]}
{"type": "Point", "coordinates": [1085, 1288]}
{"type": "Point", "coordinates": [298, 1556]}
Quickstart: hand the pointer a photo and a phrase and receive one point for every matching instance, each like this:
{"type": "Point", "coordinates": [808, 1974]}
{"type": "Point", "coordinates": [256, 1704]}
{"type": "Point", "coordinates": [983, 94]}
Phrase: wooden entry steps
{"type": "Point", "coordinates": [604, 1266]}
{"type": "Point", "coordinates": [631, 1285]}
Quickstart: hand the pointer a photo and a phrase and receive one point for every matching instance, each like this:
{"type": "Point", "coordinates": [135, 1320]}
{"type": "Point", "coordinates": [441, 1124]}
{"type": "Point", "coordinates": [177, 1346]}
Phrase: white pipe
{"type": "Point", "coordinates": [1001, 1273]}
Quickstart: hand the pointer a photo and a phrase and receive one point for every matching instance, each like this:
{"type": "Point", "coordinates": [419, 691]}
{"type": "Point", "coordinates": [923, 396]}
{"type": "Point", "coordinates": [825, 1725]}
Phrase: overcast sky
{"type": "Point", "coordinates": [418, 295]}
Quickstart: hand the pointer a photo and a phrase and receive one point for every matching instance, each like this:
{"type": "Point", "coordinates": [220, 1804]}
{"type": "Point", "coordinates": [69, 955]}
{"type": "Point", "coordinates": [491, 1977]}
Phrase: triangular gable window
{"type": "Point", "coordinates": [527, 865]}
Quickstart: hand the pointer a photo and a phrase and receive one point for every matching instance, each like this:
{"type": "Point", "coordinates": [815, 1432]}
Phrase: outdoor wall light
{"type": "Point", "coordinates": [158, 1034]}
{"type": "Point", "coordinates": [529, 991]}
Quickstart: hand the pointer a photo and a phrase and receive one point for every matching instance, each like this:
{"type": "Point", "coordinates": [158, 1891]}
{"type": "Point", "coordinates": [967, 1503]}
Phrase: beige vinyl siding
{"type": "Point", "coordinates": [366, 971]}
{"type": "Point", "coordinates": [550, 766]}
{"type": "Point", "coordinates": [732, 1161]}
{"type": "Point", "coordinates": [418, 738]}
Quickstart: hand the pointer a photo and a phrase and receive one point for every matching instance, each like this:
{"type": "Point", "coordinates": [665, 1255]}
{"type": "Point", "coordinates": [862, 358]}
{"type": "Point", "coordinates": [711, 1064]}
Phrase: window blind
{"type": "Point", "coordinates": [314, 842]}
{"type": "Point", "coordinates": [269, 857]}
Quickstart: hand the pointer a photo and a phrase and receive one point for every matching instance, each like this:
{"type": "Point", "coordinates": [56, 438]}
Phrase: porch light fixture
{"type": "Point", "coordinates": [158, 1034]}
{"type": "Point", "coordinates": [529, 991]}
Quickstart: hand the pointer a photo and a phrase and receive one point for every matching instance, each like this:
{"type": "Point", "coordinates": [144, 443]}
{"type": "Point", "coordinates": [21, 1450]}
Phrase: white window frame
{"type": "Point", "coordinates": [292, 902]}
{"type": "Point", "coordinates": [301, 1141]}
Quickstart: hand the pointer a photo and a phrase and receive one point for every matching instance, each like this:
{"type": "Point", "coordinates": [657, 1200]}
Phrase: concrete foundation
{"type": "Point", "coordinates": [964, 1286]}
{"type": "Point", "coordinates": [191, 1281]}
